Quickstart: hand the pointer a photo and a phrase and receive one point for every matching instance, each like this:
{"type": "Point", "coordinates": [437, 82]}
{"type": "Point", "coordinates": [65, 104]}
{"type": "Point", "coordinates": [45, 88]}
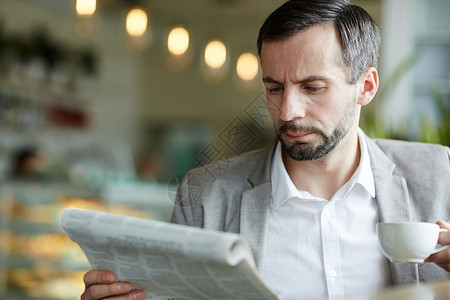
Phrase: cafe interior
{"type": "Point", "coordinates": [106, 104]}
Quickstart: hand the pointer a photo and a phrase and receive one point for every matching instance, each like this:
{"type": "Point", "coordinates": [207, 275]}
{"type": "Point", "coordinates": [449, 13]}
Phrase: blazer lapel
{"type": "Point", "coordinates": [393, 204]}
{"type": "Point", "coordinates": [255, 207]}
{"type": "Point", "coordinates": [254, 221]}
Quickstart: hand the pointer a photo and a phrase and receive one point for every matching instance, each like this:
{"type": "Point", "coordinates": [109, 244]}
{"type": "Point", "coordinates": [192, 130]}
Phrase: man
{"type": "Point", "coordinates": [309, 202]}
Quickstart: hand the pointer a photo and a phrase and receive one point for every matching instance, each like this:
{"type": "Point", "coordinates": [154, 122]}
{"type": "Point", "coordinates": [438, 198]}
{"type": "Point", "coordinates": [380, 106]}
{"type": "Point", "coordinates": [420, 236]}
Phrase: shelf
{"type": "Point", "coordinates": [40, 261]}
{"type": "Point", "coordinates": [28, 228]}
{"type": "Point", "coordinates": [64, 265]}
{"type": "Point", "coordinates": [22, 296]}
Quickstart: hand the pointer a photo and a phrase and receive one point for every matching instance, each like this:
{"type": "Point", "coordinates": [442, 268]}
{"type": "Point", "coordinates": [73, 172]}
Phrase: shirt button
{"type": "Point", "coordinates": [332, 272]}
{"type": "Point", "coordinates": [326, 212]}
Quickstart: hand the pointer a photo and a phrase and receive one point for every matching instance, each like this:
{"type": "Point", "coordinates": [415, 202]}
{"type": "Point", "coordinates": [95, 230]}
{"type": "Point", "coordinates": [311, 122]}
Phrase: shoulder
{"type": "Point", "coordinates": [413, 146]}
{"type": "Point", "coordinates": [417, 162]}
{"type": "Point", "coordinates": [423, 169]}
{"type": "Point", "coordinates": [413, 152]}
{"type": "Point", "coordinates": [210, 196]}
{"type": "Point", "coordinates": [236, 169]}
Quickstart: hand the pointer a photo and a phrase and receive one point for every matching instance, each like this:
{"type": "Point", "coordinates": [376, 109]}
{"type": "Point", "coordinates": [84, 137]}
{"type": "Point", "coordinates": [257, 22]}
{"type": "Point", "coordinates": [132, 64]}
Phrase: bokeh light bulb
{"type": "Point", "coordinates": [178, 41]}
{"type": "Point", "coordinates": [215, 54]}
{"type": "Point", "coordinates": [86, 7]}
{"type": "Point", "coordinates": [247, 66]}
{"type": "Point", "coordinates": [136, 22]}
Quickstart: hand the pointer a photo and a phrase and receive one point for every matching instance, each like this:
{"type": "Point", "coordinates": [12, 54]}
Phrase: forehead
{"type": "Point", "coordinates": [315, 49]}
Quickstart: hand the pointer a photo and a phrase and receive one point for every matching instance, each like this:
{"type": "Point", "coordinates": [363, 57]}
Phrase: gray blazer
{"type": "Point", "coordinates": [412, 183]}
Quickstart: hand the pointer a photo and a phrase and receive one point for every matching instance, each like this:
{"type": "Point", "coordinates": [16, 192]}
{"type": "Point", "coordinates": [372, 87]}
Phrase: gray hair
{"type": "Point", "coordinates": [359, 35]}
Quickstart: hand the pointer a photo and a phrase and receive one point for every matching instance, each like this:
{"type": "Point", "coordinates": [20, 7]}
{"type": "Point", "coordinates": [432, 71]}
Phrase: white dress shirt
{"type": "Point", "coordinates": [320, 249]}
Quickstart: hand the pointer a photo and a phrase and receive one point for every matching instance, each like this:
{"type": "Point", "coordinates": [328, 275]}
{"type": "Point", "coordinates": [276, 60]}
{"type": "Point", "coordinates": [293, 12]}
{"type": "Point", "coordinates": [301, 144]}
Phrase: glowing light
{"type": "Point", "coordinates": [86, 7]}
{"type": "Point", "coordinates": [178, 41]}
{"type": "Point", "coordinates": [215, 54]}
{"type": "Point", "coordinates": [247, 66]}
{"type": "Point", "coordinates": [136, 22]}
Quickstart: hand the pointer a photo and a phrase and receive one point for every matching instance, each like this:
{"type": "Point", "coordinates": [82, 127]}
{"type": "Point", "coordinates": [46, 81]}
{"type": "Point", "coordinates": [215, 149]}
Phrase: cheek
{"type": "Point", "coordinates": [327, 109]}
{"type": "Point", "coordinates": [341, 108]}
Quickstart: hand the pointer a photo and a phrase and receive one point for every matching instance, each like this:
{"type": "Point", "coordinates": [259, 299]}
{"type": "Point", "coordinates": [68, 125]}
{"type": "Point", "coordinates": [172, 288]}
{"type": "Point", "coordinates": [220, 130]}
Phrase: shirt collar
{"type": "Point", "coordinates": [284, 189]}
{"type": "Point", "coordinates": [364, 174]}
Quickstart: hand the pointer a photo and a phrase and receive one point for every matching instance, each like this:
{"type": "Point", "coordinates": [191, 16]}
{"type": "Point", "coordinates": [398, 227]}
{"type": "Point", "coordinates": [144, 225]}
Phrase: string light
{"type": "Point", "coordinates": [215, 54]}
{"type": "Point", "coordinates": [86, 7]}
{"type": "Point", "coordinates": [247, 66]}
{"type": "Point", "coordinates": [136, 23]}
{"type": "Point", "coordinates": [178, 41]}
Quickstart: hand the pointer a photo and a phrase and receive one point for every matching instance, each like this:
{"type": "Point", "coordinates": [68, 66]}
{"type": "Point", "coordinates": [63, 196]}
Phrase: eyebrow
{"type": "Point", "coordinates": [268, 79]}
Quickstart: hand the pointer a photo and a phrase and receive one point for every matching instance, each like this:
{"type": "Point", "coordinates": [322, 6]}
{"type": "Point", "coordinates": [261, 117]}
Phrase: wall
{"type": "Point", "coordinates": [137, 92]}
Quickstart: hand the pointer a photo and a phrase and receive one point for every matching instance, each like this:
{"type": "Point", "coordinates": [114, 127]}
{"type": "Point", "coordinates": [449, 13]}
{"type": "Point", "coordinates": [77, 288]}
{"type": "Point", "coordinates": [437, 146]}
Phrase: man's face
{"type": "Point", "coordinates": [311, 102]}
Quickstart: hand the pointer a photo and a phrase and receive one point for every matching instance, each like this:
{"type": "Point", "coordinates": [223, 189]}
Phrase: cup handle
{"type": "Point", "coordinates": [441, 248]}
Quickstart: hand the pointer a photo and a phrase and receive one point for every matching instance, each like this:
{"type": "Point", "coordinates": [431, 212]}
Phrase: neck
{"type": "Point", "coordinates": [325, 176]}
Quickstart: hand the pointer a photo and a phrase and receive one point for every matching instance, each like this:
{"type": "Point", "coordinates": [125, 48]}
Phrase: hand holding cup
{"type": "Point", "coordinates": [442, 259]}
{"type": "Point", "coordinates": [410, 242]}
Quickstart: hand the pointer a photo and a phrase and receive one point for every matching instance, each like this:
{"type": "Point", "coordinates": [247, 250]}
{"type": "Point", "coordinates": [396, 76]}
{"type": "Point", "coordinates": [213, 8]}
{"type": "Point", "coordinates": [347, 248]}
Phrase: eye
{"type": "Point", "coordinates": [314, 89]}
{"type": "Point", "coordinates": [276, 90]}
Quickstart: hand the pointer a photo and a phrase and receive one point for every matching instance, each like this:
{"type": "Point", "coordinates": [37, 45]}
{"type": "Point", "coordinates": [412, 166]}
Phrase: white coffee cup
{"type": "Point", "coordinates": [409, 242]}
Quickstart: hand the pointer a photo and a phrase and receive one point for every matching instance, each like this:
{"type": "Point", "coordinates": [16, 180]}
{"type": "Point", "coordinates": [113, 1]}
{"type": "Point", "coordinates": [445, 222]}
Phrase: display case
{"type": "Point", "coordinates": [37, 260]}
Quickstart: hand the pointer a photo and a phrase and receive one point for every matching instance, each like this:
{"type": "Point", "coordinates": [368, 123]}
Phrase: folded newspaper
{"type": "Point", "coordinates": [168, 261]}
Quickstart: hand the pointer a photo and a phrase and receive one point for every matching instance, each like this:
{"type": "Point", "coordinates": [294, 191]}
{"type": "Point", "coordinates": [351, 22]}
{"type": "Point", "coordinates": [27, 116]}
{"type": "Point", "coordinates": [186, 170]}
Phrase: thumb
{"type": "Point", "coordinates": [444, 237]}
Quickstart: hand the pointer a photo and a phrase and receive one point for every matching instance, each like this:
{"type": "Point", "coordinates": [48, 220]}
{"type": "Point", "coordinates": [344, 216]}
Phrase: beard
{"type": "Point", "coordinates": [300, 151]}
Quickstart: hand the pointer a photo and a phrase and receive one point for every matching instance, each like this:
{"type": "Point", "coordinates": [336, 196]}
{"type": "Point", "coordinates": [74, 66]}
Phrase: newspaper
{"type": "Point", "coordinates": [168, 261]}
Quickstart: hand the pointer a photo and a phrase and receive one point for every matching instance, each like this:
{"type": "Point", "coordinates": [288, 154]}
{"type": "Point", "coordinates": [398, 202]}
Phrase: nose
{"type": "Point", "coordinates": [292, 105]}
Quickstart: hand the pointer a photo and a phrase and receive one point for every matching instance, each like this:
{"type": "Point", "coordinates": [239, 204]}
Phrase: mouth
{"type": "Point", "coordinates": [297, 136]}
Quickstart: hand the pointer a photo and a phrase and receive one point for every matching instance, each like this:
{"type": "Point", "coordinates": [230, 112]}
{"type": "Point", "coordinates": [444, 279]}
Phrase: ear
{"type": "Point", "coordinates": [369, 82]}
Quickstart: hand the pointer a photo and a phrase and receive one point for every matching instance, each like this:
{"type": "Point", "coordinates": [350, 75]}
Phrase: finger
{"type": "Point", "coordinates": [444, 237]}
{"type": "Point", "coordinates": [133, 295]}
{"type": "Point", "coordinates": [100, 291]}
{"type": "Point", "coordinates": [442, 257]}
{"type": "Point", "coordinates": [98, 276]}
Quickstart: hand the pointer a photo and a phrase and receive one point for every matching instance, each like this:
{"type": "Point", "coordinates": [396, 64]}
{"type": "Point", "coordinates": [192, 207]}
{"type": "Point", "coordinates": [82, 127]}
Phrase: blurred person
{"type": "Point", "coordinates": [28, 163]}
{"type": "Point", "coordinates": [308, 203]}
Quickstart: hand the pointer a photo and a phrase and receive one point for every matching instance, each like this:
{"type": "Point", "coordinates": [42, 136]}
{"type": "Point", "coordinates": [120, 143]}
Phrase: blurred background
{"type": "Point", "coordinates": [106, 104]}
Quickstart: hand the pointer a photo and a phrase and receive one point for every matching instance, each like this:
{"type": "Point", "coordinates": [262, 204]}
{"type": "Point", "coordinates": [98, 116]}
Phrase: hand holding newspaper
{"type": "Point", "coordinates": [168, 261]}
